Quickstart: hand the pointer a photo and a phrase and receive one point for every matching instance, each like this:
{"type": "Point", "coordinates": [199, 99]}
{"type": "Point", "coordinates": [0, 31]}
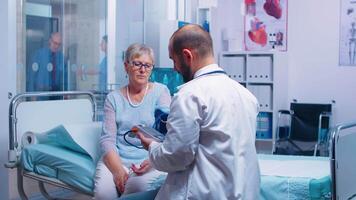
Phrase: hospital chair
{"type": "Point", "coordinates": [303, 130]}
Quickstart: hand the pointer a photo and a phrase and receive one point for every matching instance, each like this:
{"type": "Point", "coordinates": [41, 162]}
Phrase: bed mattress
{"type": "Point", "coordinates": [282, 177]}
{"type": "Point", "coordinates": [294, 177]}
{"type": "Point", "coordinates": [73, 168]}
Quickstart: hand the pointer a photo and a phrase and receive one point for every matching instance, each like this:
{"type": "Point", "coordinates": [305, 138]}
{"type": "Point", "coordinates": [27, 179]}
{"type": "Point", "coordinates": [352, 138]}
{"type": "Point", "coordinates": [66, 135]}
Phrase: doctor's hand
{"type": "Point", "coordinates": [145, 166]}
{"type": "Point", "coordinates": [120, 179]}
{"type": "Point", "coordinates": [145, 141]}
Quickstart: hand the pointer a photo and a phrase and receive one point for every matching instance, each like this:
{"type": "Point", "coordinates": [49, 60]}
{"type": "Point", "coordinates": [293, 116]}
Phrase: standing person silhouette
{"type": "Point", "coordinates": [101, 70]}
{"type": "Point", "coordinates": [47, 71]}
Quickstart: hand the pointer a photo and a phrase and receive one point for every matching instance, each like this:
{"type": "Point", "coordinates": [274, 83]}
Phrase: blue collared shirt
{"type": "Point", "coordinates": [39, 73]}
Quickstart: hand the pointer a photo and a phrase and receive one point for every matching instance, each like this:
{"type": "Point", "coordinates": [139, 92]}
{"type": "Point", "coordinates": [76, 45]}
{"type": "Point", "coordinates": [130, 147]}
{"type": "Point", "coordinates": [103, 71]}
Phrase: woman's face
{"type": "Point", "coordinates": [139, 69]}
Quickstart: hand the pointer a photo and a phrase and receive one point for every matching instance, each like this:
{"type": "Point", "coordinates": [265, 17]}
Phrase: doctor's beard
{"type": "Point", "coordinates": [186, 72]}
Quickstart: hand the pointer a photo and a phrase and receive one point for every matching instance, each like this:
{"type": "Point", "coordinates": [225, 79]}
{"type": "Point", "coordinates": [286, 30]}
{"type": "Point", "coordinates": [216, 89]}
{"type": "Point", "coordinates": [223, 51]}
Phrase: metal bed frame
{"type": "Point", "coordinates": [15, 149]}
{"type": "Point", "coordinates": [343, 163]}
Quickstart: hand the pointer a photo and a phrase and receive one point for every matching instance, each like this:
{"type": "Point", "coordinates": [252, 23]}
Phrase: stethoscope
{"type": "Point", "coordinates": [212, 72]}
{"type": "Point", "coordinates": [131, 134]}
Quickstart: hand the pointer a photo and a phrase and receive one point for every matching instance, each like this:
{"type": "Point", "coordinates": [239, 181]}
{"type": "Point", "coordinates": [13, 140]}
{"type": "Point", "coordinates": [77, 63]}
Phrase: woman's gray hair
{"type": "Point", "coordinates": [137, 50]}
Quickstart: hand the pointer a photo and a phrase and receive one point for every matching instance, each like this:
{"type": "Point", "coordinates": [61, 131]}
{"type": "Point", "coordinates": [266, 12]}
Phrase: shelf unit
{"type": "Point", "coordinates": [255, 71]}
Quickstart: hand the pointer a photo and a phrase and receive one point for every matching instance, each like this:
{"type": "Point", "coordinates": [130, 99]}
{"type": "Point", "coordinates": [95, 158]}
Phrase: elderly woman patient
{"type": "Point", "coordinates": [124, 168]}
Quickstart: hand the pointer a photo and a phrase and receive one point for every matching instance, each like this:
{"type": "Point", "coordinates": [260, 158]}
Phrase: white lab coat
{"type": "Point", "coordinates": [209, 150]}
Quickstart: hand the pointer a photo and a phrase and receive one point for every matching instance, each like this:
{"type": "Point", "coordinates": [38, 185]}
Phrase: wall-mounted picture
{"type": "Point", "coordinates": [265, 25]}
{"type": "Point", "coordinates": [347, 50]}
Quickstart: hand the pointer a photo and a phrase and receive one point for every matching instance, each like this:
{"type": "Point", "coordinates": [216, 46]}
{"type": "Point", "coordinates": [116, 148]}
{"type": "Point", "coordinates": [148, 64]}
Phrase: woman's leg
{"type": "Point", "coordinates": [151, 180]}
{"type": "Point", "coordinates": [105, 187]}
{"type": "Point", "coordinates": [148, 195]}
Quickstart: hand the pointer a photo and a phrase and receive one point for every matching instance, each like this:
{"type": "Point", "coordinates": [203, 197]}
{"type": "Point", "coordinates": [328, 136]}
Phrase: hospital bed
{"type": "Point", "coordinates": [54, 161]}
{"type": "Point", "coordinates": [282, 177]}
{"type": "Point", "coordinates": [55, 142]}
{"type": "Point", "coordinates": [312, 177]}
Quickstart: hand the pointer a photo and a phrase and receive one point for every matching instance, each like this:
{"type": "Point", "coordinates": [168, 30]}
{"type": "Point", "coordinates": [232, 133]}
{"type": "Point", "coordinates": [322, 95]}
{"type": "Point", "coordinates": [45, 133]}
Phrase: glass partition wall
{"type": "Point", "coordinates": [62, 45]}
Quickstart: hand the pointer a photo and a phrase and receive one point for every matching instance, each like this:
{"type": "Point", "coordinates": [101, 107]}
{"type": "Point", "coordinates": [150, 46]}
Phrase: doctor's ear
{"type": "Point", "coordinates": [187, 54]}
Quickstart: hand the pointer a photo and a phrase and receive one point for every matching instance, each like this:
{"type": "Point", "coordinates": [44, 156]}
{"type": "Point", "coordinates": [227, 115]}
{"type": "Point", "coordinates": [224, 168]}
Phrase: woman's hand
{"type": "Point", "coordinates": [145, 166]}
{"type": "Point", "coordinates": [120, 179]}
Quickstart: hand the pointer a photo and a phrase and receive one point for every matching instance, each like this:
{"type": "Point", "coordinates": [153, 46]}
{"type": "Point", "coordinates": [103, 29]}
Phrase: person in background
{"type": "Point", "coordinates": [124, 168]}
{"type": "Point", "coordinates": [47, 71]}
{"type": "Point", "coordinates": [101, 70]}
{"type": "Point", "coordinates": [209, 149]}
{"type": "Point", "coordinates": [103, 80]}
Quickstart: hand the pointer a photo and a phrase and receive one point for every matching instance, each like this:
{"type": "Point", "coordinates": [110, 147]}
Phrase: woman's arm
{"type": "Point", "coordinates": [113, 163]}
{"type": "Point", "coordinates": [164, 100]}
{"type": "Point", "coordinates": [108, 145]}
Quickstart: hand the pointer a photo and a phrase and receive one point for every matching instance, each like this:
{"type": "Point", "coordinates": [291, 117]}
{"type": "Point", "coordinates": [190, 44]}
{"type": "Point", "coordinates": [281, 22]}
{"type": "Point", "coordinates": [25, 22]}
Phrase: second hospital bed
{"type": "Point", "coordinates": [62, 163]}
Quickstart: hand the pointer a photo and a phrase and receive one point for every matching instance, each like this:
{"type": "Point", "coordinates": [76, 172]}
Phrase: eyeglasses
{"type": "Point", "coordinates": [138, 65]}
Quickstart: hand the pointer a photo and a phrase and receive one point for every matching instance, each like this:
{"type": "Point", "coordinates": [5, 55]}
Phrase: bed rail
{"type": "Point", "coordinates": [13, 135]}
{"type": "Point", "coordinates": [343, 139]}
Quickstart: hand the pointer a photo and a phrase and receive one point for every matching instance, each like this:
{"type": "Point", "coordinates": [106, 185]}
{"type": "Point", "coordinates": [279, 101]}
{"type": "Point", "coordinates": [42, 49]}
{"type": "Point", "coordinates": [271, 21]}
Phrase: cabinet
{"type": "Point", "coordinates": [255, 71]}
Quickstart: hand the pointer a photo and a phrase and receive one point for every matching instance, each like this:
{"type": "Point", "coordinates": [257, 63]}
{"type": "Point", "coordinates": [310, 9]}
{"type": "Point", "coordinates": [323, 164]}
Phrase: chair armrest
{"type": "Point", "coordinates": [286, 129]}
{"type": "Point", "coordinates": [280, 113]}
{"type": "Point", "coordinates": [321, 129]}
{"type": "Point", "coordinates": [326, 114]}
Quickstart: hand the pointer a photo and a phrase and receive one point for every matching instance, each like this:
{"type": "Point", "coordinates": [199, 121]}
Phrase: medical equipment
{"type": "Point", "coordinates": [146, 131]}
{"type": "Point", "coordinates": [149, 132]}
{"type": "Point", "coordinates": [157, 132]}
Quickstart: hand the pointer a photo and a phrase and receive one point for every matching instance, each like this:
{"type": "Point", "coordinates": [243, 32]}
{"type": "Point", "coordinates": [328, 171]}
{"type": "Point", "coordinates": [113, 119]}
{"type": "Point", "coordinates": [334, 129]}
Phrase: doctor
{"type": "Point", "coordinates": [209, 150]}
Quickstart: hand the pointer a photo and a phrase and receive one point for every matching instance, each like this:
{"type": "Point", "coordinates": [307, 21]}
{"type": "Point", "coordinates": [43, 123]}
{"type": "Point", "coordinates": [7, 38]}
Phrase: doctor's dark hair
{"type": "Point", "coordinates": [136, 50]}
{"type": "Point", "coordinates": [193, 37]}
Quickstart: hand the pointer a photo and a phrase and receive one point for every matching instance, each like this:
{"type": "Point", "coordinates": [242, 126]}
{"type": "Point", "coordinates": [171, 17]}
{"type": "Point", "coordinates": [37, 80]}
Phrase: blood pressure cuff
{"type": "Point", "coordinates": [160, 121]}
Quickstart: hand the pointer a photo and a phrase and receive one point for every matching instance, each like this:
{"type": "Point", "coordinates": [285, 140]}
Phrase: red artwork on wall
{"type": "Point", "coordinates": [265, 25]}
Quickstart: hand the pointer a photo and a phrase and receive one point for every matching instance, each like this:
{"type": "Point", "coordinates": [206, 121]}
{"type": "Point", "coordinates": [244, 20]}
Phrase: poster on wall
{"type": "Point", "coordinates": [347, 46]}
{"type": "Point", "coordinates": [265, 25]}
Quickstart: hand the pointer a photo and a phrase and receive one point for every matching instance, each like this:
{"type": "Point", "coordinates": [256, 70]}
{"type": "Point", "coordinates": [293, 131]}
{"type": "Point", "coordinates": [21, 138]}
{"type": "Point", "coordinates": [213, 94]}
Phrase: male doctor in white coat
{"type": "Point", "coordinates": [209, 150]}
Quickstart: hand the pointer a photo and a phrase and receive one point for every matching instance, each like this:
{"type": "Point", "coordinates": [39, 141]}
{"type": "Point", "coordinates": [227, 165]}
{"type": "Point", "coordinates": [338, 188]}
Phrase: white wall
{"type": "Point", "coordinates": [313, 55]}
{"type": "Point", "coordinates": [229, 18]}
{"type": "Point", "coordinates": [8, 83]}
{"type": "Point", "coordinates": [313, 45]}
{"type": "Point", "coordinates": [129, 29]}
{"type": "Point", "coordinates": [160, 16]}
